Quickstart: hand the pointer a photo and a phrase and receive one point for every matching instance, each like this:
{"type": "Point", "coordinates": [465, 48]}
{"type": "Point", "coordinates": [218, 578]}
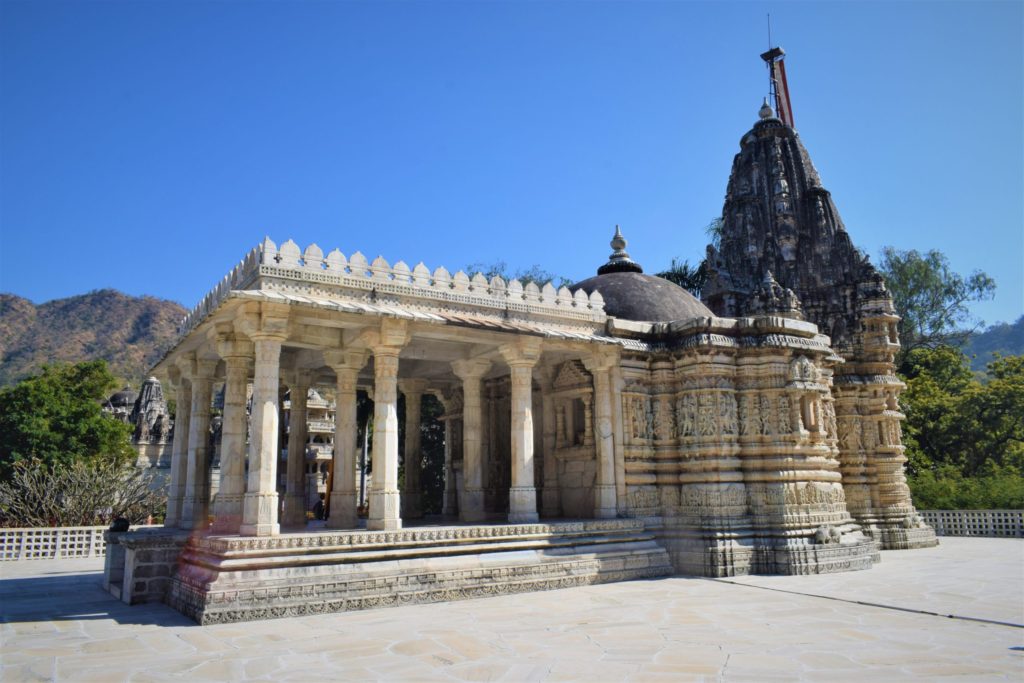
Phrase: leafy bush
{"type": "Point", "coordinates": [80, 494]}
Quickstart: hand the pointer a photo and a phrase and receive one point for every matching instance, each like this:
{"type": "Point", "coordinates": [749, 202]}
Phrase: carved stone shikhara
{"type": "Point", "coordinates": [717, 439]}
{"type": "Point", "coordinates": [784, 250]}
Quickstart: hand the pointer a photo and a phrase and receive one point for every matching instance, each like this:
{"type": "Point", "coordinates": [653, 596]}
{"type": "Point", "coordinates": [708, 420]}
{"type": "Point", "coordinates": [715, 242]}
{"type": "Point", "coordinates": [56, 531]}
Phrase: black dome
{"type": "Point", "coordinates": [125, 397]}
{"type": "Point", "coordinates": [635, 296]}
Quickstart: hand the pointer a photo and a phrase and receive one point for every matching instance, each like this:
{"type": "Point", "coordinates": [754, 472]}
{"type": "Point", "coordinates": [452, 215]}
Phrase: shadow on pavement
{"type": "Point", "coordinates": [76, 597]}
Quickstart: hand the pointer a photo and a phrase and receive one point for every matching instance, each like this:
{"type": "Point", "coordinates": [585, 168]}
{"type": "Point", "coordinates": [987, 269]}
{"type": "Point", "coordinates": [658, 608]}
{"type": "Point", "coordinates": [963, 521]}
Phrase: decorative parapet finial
{"type": "Point", "coordinates": [619, 261]}
{"type": "Point", "coordinates": [766, 110]}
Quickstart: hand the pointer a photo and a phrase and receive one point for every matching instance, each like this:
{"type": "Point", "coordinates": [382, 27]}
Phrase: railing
{"type": "Point", "coordinates": [52, 543]}
{"type": "Point", "coordinates": [998, 523]}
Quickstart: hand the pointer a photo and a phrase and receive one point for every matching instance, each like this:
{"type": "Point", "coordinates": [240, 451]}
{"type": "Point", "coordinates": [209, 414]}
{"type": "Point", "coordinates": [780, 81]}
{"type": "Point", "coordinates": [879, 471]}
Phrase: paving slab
{"type": "Point", "coordinates": [955, 612]}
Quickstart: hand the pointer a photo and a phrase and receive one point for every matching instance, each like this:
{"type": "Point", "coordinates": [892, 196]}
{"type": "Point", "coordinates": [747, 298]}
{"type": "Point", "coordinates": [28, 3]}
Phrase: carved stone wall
{"type": "Point", "coordinates": [733, 442]}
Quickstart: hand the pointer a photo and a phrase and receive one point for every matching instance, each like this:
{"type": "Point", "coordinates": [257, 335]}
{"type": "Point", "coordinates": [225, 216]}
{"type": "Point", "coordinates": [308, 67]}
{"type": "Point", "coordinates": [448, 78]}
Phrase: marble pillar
{"type": "Point", "coordinates": [384, 494]}
{"type": "Point", "coordinates": [294, 513]}
{"type": "Point", "coordinates": [259, 514]}
{"type": "Point", "coordinates": [228, 505]}
{"type": "Point", "coordinates": [550, 498]}
{"type": "Point", "coordinates": [195, 508]}
{"type": "Point", "coordinates": [471, 372]}
{"type": "Point", "coordinates": [179, 447]}
{"type": "Point", "coordinates": [346, 365]}
{"type": "Point", "coordinates": [604, 485]}
{"type": "Point", "coordinates": [522, 496]}
{"type": "Point", "coordinates": [412, 493]}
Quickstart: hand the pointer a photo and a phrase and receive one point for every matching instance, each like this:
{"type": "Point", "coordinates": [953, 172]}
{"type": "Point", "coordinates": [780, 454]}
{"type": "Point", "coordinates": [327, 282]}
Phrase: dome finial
{"type": "Point", "coordinates": [766, 110]}
{"type": "Point", "coordinates": [619, 261]}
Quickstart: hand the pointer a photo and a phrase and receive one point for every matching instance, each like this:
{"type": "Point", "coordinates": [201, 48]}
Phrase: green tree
{"type": "Point", "coordinates": [964, 437]}
{"type": "Point", "coordinates": [56, 418]}
{"type": "Point", "coordinates": [690, 278]}
{"type": "Point", "coordinates": [931, 298]}
{"type": "Point", "coordinates": [534, 274]}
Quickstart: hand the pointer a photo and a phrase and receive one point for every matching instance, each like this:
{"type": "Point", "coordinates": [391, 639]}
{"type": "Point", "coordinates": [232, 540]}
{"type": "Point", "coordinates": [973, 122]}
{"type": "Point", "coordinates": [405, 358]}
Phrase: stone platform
{"type": "Point", "coordinates": [223, 579]}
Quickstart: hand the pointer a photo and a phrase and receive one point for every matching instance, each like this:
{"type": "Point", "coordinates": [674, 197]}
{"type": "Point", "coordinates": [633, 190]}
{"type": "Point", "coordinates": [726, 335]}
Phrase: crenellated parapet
{"type": "Point", "coordinates": [270, 267]}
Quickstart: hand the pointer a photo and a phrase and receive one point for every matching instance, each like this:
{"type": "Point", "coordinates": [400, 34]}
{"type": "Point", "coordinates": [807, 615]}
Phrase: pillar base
{"type": "Point", "coordinates": [294, 510]}
{"type": "Point", "coordinates": [384, 506]}
{"type": "Point", "coordinates": [343, 511]}
{"type": "Point", "coordinates": [227, 513]}
{"type": "Point", "coordinates": [522, 504]}
{"type": "Point", "coordinates": [604, 502]}
{"type": "Point", "coordinates": [471, 506]}
{"type": "Point", "coordinates": [259, 530]}
{"type": "Point", "coordinates": [260, 515]}
{"type": "Point", "coordinates": [193, 515]}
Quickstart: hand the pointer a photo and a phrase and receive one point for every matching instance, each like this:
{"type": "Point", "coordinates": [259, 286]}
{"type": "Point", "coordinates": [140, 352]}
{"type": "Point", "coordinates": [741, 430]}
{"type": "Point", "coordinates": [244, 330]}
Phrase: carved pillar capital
{"type": "Point", "coordinates": [413, 387]}
{"type": "Point", "coordinates": [470, 369]}
{"type": "Point", "coordinates": [523, 353]}
{"type": "Point", "coordinates": [266, 321]}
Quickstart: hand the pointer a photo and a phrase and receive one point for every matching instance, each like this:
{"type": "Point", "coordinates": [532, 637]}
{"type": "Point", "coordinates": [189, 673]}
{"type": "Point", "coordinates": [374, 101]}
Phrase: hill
{"type": "Point", "coordinates": [130, 333]}
{"type": "Point", "coordinates": [1006, 339]}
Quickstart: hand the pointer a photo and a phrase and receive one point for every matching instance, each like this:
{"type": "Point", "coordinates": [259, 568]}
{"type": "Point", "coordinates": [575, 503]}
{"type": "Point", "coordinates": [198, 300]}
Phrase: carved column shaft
{"type": "Point", "coordinates": [412, 504]}
{"type": "Point", "coordinates": [343, 493]}
{"type": "Point", "coordinates": [523, 494]}
{"type": "Point", "coordinates": [604, 489]}
{"type": "Point", "coordinates": [550, 499]}
{"type": "Point", "coordinates": [228, 507]}
{"type": "Point", "coordinates": [259, 517]}
{"type": "Point", "coordinates": [471, 504]}
{"type": "Point", "coordinates": [179, 453]}
{"type": "Point", "coordinates": [295, 476]}
{"type": "Point", "coordinates": [384, 494]}
{"type": "Point", "coordinates": [196, 505]}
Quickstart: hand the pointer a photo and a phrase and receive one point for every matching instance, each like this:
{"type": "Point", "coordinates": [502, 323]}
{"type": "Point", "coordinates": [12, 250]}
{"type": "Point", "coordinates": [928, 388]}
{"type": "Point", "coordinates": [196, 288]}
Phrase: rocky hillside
{"type": "Point", "coordinates": [130, 333]}
{"type": "Point", "coordinates": [1006, 339]}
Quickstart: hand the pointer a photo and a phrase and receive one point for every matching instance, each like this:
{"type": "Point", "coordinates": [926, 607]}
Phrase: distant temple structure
{"type": "Point", "coordinates": [615, 429]}
{"type": "Point", "coordinates": [147, 413]}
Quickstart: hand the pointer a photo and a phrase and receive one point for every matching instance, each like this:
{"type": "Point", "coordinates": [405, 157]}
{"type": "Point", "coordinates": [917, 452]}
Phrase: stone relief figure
{"type": "Point", "coordinates": [707, 421]}
{"type": "Point", "coordinates": [727, 412]}
{"type": "Point", "coordinates": [846, 436]}
{"type": "Point", "coordinates": [648, 418]}
{"type": "Point", "coordinates": [746, 417]}
{"type": "Point", "coordinates": [785, 426]}
{"type": "Point", "coordinates": [802, 370]}
{"type": "Point", "coordinates": [764, 416]}
{"type": "Point", "coordinates": [830, 420]}
{"type": "Point", "coordinates": [631, 415]}
{"type": "Point", "coordinates": [662, 421]}
{"type": "Point", "coordinates": [687, 410]}
{"type": "Point", "coordinates": [870, 435]}
{"type": "Point", "coordinates": [893, 428]}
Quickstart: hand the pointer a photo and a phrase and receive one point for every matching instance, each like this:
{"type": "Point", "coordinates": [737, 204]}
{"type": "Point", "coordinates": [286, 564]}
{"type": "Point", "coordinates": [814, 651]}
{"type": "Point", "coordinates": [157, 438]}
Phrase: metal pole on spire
{"type": "Point", "coordinates": [779, 88]}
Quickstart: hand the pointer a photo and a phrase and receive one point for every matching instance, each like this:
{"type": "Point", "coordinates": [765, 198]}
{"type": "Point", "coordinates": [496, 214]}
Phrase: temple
{"type": "Point", "coordinates": [615, 429]}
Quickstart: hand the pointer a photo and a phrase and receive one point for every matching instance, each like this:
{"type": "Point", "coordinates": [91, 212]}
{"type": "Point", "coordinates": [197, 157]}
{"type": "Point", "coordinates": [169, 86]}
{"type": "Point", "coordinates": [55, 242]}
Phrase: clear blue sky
{"type": "Point", "coordinates": [146, 146]}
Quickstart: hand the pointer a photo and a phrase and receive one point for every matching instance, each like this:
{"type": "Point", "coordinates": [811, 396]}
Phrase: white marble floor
{"type": "Point", "coordinates": [952, 612]}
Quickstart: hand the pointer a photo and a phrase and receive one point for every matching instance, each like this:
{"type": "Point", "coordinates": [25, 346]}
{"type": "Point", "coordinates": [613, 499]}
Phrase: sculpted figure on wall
{"type": "Point", "coordinates": [706, 419]}
{"type": "Point", "coordinates": [764, 416]}
{"type": "Point", "coordinates": [727, 412]}
{"type": "Point", "coordinates": [785, 426]}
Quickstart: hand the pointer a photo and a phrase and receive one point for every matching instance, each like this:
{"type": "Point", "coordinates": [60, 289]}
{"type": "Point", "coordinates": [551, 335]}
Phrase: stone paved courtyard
{"type": "Point", "coordinates": [952, 612]}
